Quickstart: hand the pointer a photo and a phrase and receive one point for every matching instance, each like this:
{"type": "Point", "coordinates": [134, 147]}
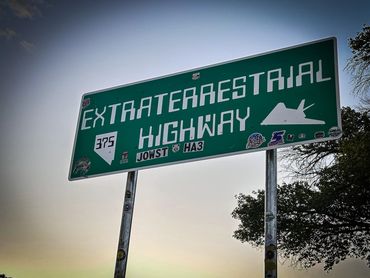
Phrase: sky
{"type": "Point", "coordinates": [52, 52]}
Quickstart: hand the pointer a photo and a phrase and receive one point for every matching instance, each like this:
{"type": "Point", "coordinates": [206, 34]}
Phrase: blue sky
{"type": "Point", "coordinates": [52, 52]}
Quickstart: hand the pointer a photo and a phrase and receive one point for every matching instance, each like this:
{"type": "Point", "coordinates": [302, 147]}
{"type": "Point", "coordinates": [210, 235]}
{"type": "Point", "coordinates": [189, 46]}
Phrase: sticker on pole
{"type": "Point", "coordinates": [105, 146]}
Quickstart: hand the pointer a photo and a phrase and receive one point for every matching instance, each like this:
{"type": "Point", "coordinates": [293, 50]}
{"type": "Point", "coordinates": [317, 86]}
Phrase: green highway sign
{"type": "Point", "coordinates": [272, 100]}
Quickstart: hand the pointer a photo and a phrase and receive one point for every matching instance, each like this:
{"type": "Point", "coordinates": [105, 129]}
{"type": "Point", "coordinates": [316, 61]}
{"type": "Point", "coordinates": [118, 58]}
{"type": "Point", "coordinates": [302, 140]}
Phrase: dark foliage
{"type": "Point", "coordinates": [325, 219]}
{"type": "Point", "coordinates": [359, 63]}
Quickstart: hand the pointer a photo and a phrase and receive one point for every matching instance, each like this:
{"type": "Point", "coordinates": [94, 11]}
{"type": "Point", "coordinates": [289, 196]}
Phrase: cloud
{"type": "Point", "coordinates": [19, 10]}
{"type": "Point", "coordinates": [28, 46]}
{"type": "Point", "coordinates": [27, 9]}
{"type": "Point", "coordinates": [8, 33]}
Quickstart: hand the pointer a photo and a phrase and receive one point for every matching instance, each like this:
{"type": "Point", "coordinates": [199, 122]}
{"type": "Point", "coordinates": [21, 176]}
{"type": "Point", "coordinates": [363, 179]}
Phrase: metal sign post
{"type": "Point", "coordinates": [263, 102]}
{"type": "Point", "coordinates": [125, 231]}
{"type": "Point", "coordinates": [271, 215]}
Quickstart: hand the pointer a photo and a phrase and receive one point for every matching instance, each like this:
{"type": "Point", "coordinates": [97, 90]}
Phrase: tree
{"type": "Point", "coordinates": [359, 63]}
{"type": "Point", "coordinates": [324, 217]}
